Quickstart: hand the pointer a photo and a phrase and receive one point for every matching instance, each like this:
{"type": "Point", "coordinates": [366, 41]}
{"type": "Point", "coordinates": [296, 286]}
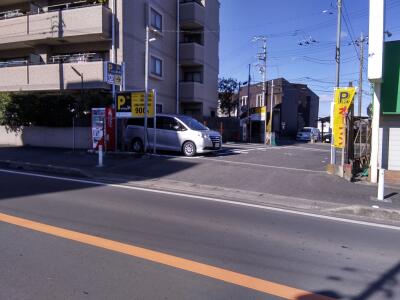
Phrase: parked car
{"type": "Point", "coordinates": [327, 137]}
{"type": "Point", "coordinates": [173, 133]}
{"type": "Point", "coordinates": [309, 134]}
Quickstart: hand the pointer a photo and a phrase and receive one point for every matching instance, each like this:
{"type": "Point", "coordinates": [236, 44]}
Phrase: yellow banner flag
{"type": "Point", "coordinates": [343, 99]}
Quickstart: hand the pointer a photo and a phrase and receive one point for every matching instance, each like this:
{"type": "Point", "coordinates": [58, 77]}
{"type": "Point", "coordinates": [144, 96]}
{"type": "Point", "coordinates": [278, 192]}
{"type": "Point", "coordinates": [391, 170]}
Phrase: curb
{"type": "Point", "coordinates": [26, 166]}
{"type": "Point", "coordinates": [362, 212]}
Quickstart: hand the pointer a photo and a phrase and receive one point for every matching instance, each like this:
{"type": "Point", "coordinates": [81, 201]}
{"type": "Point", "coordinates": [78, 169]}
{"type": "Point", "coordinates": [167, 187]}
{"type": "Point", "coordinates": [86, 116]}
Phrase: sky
{"type": "Point", "coordinates": [289, 23]}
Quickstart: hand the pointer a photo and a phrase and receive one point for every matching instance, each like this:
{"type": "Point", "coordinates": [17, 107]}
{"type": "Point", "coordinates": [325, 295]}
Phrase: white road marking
{"type": "Point", "coordinates": [260, 165]}
{"type": "Point", "coordinates": [211, 199]}
{"type": "Point", "coordinates": [309, 149]}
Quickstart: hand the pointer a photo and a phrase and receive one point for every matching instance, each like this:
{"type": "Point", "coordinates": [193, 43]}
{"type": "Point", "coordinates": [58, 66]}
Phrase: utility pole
{"type": "Point", "coordinates": [360, 43]}
{"type": "Point", "coordinates": [146, 86]}
{"type": "Point", "coordinates": [271, 104]}
{"type": "Point", "coordinates": [337, 58]}
{"type": "Point", "coordinates": [238, 104]}
{"type": "Point", "coordinates": [262, 57]}
{"type": "Point", "coordinates": [248, 103]}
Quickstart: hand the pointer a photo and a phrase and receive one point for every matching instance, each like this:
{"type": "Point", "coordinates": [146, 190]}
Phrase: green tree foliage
{"type": "Point", "coordinates": [51, 110]}
{"type": "Point", "coordinates": [227, 88]}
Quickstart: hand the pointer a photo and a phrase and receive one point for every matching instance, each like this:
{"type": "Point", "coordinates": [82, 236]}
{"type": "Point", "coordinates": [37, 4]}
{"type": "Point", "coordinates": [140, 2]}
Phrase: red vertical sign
{"type": "Point", "coordinates": [110, 129]}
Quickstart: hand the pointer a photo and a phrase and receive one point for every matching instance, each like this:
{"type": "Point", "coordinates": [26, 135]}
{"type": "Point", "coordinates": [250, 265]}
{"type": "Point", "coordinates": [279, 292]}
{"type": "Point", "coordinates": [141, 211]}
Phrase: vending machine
{"type": "Point", "coordinates": [103, 128]}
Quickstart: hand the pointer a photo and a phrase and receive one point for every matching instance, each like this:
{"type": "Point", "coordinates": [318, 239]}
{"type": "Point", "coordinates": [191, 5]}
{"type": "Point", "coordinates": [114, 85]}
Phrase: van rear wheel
{"type": "Point", "coordinates": [189, 149]}
{"type": "Point", "coordinates": [137, 145]}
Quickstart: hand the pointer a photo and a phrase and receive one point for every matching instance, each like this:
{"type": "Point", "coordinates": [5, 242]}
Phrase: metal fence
{"type": "Point", "coordinates": [362, 142]}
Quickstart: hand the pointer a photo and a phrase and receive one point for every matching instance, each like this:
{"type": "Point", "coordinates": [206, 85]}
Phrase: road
{"type": "Point", "coordinates": [245, 252]}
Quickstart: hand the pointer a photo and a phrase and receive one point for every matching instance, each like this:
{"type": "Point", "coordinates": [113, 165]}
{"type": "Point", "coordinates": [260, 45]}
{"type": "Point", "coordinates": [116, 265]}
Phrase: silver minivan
{"type": "Point", "coordinates": [173, 133]}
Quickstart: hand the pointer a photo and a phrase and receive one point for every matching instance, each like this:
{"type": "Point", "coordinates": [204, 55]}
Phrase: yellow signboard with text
{"type": "Point", "coordinates": [343, 99]}
{"type": "Point", "coordinates": [132, 104]}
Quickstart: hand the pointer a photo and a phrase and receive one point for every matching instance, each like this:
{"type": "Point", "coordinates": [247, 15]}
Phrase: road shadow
{"type": "Point", "coordinates": [386, 287]}
{"type": "Point", "coordinates": [14, 185]}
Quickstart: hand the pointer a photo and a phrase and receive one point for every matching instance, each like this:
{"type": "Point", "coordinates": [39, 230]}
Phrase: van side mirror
{"type": "Point", "coordinates": [177, 127]}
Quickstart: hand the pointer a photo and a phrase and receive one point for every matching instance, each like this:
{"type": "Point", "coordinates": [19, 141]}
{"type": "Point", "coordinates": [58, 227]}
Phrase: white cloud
{"type": "Point", "coordinates": [344, 35]}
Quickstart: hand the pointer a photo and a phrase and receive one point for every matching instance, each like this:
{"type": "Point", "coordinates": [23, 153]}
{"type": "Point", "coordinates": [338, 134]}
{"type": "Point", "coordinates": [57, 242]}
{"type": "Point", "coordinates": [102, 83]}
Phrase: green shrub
{"type": "Point", "coordinates": [51, 110]}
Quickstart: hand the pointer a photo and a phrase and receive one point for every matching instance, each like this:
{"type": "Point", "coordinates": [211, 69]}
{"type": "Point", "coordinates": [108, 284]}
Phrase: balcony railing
{"type": "Point", "coordinates": [200, 2]}
{"type": "Point", "coordinates": [83, 23]}
{"type": "Point", "coordinates": [192, 14]}
{"type": "Point", "coordinates": [52, 77]}
{"type": "Point", "coordinates": [191, 91]}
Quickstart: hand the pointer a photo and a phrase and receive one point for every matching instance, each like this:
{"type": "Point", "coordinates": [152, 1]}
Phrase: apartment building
{"type": "Point", "coordinates": [50, 45]}
{"type": "Point", "coordinates": [294, 106]}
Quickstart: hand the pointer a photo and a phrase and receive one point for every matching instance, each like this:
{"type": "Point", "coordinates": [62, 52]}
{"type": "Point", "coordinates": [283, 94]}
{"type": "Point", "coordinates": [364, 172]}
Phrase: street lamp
{"type": "Point", "coordinates": [81, 76]}
{"type": "Point", "coordinates": [146, 88]}
{"type": "Point", "coordinates": [74, 111]}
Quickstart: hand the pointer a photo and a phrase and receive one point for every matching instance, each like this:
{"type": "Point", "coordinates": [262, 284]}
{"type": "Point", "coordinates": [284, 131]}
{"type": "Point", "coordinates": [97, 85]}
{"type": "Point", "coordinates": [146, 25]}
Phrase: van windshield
{"type": "Point", "coordinates": [192, 123]}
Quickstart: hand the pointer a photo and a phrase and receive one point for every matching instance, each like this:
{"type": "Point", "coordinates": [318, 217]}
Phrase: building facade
{"type": "Point", "coordinates": [294, 106]}
{"type": "Point", "coordinates": [46, 44]}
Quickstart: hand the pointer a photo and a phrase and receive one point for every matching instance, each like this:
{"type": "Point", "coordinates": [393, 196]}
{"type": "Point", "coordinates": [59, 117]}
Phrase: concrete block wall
{"type": "Point", "coordinates": [47, 137]}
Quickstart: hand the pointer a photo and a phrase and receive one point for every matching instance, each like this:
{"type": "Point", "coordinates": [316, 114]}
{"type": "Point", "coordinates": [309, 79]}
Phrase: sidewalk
{"type": "Point", "coordinates": [216, 177]}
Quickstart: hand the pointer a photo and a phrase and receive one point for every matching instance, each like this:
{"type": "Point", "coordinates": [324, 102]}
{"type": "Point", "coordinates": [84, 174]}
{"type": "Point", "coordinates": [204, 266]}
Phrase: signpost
{"type": "Point", "coordinates": [112, 73]}
{"type": "Point", "coordinates": [258, 113]}
{"type": "Point", "coordinates": [132, 105]}
{"type": "Point", "coordinates": [343, 99]}
{"type": "Point", "coordinates": [103, 128]}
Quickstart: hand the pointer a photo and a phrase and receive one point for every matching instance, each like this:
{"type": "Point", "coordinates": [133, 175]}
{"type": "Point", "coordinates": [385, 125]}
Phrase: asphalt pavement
{"type": "Point", "coordinates": [318, 255]}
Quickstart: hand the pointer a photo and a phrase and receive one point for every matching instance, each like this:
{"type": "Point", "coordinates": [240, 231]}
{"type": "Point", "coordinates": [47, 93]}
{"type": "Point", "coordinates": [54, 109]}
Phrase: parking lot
{"type": "Point", "coordinates": [296, 157]}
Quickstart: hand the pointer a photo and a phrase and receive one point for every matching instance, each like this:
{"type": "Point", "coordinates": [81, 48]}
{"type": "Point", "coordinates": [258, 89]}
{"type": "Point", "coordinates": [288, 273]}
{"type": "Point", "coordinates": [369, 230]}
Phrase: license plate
{"type": "Point", "coordinates": [217, 145]}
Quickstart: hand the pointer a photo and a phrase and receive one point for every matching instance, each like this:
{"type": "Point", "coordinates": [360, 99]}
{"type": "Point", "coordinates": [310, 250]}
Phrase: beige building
{"type": "Point", "coordinates": [45, 44]}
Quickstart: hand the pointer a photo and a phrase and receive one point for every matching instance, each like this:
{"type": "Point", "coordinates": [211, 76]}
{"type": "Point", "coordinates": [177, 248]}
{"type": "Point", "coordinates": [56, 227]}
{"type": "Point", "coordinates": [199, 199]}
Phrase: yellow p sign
{"type": "Point", "coordinates": [121, 101]}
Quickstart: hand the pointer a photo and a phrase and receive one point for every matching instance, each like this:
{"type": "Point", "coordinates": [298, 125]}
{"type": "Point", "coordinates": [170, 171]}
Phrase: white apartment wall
{"type": "Point", "coordinates": [211, 61]}
{"type": "Point", "coordinates": [164, 47]}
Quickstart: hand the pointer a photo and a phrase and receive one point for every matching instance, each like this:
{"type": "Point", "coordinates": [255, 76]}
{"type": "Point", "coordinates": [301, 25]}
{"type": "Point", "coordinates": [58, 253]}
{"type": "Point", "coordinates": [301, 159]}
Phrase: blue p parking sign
{"type": "Point", "coordinates": [112, 73]}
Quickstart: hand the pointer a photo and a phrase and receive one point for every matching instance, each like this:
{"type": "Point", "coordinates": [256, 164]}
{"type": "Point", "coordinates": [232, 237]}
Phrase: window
{"type": "Point", "coordinates": [140, 122]}
{"type": "Point", "coordinates": [156, 66]}
{"type": "Point", "coordinates": [155, 20]}
{"type": "Point", "coordinates": [259, 100]}
{"type": "Point", "coordinates": [193, 37]}
{"type": "Point", "coordinates": [193, 77]}
{"type": "Point", "coordinates": [244, 101]}
{"type": "Point", "coordinates": [167, 123]}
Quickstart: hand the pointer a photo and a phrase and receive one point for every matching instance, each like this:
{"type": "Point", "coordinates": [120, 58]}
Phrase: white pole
{"type": "Point", "coordinates": [381, 185]}
{"type": "Point", "coordinates": [338, 42]}
{"type": "Point", "coordinates": [100, 156]}
{"type": "Point", "coordinates": [270, 113]}
{"type": "Point", "coordinates": [123, 66]}
{"type": "Point", "coordinates": [375, 133]}
{"type": "Point", "coordinates": [264, 85]}
{"type": "Point", "coordinates": [146, 86]}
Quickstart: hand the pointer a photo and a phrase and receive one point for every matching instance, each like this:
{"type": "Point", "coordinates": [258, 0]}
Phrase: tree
{"type": "Point", "coordinates": [48, 109]}
{"type": "Point", "coordinates": [370, 110]}
{"type": "Point", "coordinates": [226, 94]}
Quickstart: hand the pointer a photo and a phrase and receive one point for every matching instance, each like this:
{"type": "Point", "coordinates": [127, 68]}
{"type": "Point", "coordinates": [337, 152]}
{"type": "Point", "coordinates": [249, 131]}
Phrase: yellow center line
{"type": "Point", "coordinates": [239, 279]}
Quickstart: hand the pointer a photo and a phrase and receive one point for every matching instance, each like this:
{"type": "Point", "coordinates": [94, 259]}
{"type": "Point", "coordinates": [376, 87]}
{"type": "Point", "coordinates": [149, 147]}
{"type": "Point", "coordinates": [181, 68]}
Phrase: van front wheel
{"type": "Point", "coordinates": [189, 149]}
